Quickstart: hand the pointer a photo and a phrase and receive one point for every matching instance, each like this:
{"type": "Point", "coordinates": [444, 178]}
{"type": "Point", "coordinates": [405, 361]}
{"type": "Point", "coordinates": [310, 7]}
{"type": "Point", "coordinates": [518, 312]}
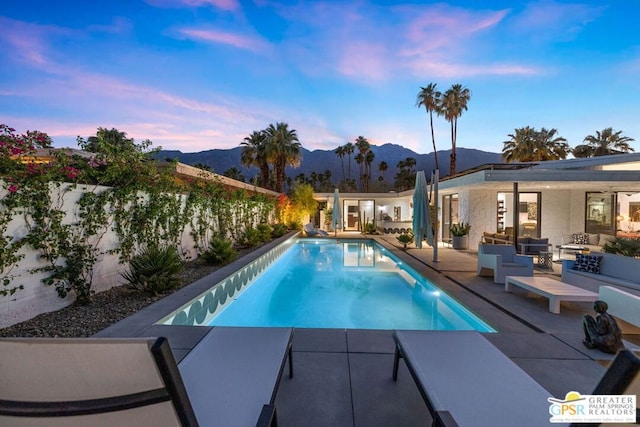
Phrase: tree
{"type": "Point", "coordinates": [405, 177]}
{"type": "Point", "coordinates": [109, 142]}
{"type": "Point", "coordinates": [341, 152]}
{"type": "Point", "coordinates": [429, 97]}
{"type": "Point", "coordinates": [453, 104]}
{"type": "Point", "coordinates": [349, 149]}
{"type": "Point", "coordinates": [604, 143]}
{"type": "Point", "coordinates": [234, 173]}
{"type": "Point", "coordinates": [364, 158]}
{"type": "Point", "coordinates": [254, 153]}
{"type": "Point", "coordinates": [202, 166]}
{"type": "Point", "coordinates": [283, 149]}
{"type": "Point", "coordinates": [530, 145]}
{"type": "Point", "coordinates": [382, 168]}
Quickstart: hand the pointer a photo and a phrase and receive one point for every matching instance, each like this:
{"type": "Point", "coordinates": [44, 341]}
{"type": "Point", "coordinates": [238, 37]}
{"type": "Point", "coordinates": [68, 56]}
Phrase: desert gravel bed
{"type": "Point", "coordinates": [105, 309]}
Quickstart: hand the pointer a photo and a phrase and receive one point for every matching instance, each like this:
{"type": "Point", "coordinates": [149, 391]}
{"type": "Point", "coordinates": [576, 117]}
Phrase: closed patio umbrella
{"type": "Point", "coordinates": [421, 214]}
{"type": "Point", "coordinates": [336, 220]}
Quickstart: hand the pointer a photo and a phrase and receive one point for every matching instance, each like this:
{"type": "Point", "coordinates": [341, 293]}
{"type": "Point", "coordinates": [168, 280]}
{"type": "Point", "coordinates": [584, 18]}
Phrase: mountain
{"type": "Point", "coordinates": [321, 160]}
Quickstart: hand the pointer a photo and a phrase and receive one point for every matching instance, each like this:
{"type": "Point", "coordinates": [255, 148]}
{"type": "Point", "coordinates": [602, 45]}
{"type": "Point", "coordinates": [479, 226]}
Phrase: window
{"type": "Point", "coordinates": [599, 217]}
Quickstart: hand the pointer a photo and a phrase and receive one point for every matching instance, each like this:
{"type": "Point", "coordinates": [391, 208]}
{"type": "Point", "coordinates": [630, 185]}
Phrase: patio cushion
{"type": "Point", "coordinates": [588, 263]}
{"type": "Point", "coordinates": [580, 238]}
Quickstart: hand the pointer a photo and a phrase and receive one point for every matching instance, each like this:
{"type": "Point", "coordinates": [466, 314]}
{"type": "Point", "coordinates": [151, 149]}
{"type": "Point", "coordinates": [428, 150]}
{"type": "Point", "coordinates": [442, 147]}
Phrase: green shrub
{"type": "Point", "coordinates": [250, 238]}
{"type": "Point", "coordinates": [623, 246]}
{"type": "Point", "coordinates": [220, 251]}
{"type": "Point", "coordinates": [295, 225]}
{"type": "Point", "coordinates": [370, 228]}
{"type": "Point", "coordinates": [405, 238]}
{"type": "Point", "coordinates": [278, 230]}
{"type": "Point", "coordinates": [154, 270]}
{"type": "Point", "coordinates": [265, 232]}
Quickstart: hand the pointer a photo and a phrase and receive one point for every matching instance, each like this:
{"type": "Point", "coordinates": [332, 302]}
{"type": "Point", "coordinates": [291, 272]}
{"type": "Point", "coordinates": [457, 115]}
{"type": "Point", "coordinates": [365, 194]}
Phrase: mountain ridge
{"type": "Point", "coordinates": [319, 161]}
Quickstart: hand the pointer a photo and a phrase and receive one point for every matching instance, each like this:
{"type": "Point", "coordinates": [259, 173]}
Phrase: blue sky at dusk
{"type": "Point", "coordinates": [193, 75]}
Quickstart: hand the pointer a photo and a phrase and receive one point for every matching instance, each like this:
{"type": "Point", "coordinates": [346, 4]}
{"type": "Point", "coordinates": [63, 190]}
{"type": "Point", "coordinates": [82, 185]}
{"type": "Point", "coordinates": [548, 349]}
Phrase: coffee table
{"type": "Point", "coordinates": [576, 248]}
{"type": "Point", "coordinates": [553, 289]}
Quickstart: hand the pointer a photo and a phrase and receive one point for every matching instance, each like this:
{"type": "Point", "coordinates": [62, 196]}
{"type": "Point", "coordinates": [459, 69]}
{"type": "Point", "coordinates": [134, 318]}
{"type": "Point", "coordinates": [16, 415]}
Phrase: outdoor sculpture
{"type": "Point", "coordinates": [602, 332]}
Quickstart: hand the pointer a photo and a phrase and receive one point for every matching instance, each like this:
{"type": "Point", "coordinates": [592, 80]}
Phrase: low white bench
{"type": "Point", "coordinates": [623, 305]}
{"type": "Point", "coordinates": [555, 290]}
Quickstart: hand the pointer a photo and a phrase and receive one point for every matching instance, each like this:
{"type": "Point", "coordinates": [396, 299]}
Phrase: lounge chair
{"type": "Point", "coordinates": [230, 378]}
{"type": "Point", "coordinates": [500, 261]}
{"type": "Point", "coordinates": [312, 231]}
{"type": "Point", "coordinates": [91, 381]}
{"type": "Point", "coordinates": [232, 375]}
{"type": "Point", "coordinates": [466, 380]}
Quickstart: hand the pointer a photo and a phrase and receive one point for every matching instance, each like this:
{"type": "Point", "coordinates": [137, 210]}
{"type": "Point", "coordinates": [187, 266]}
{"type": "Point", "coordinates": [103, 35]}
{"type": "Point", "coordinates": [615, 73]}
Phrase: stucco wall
{"type": "Point", "coordinates": [37, 297]}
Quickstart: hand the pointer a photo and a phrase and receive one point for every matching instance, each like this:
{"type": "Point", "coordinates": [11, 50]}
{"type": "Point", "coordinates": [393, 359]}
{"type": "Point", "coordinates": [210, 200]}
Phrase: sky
{"type": "Point", "coordinates": [194, 75]}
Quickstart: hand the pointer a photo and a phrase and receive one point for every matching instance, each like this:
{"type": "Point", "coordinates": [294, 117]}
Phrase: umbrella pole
{"type": "Point", "coordinates": [435, 208]}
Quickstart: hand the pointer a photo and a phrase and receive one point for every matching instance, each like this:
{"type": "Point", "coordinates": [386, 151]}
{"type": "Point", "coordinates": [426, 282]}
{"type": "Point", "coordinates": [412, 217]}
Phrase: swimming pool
{"type": "Point", "coordinates": [328, 283]}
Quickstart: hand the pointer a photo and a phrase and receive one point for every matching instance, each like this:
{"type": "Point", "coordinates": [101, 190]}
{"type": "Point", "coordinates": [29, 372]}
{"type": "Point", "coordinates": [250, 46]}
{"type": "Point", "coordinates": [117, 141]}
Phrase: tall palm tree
{"type": "Point", "coordinates": [283, 149]}
{"type": "Point", "coordinates": [349, 149]}
{"type": "Point", "coordinates": [453, 104]}
{"type": "Point", "coordinates": [429, 97]}
{"type": "Point", "coordinates": [254, 153]}
{"type": "Point", "coordinates": [382, 167]}
{"type": "Point", "coordinates": [341, 152]}
{"type": "Point", "coordinates": [363, 146]}
{"type": "Point", "coordinates": [368, 159]}
{"type": "Point", "coordinates": [604, 143]}
{"type": "Point", "coordinates": [530, 145]}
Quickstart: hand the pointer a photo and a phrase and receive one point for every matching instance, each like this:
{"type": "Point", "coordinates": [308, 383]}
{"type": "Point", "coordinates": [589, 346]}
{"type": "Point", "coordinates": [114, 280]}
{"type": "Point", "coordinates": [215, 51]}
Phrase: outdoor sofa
{"type": "Point", "coordinates": [591, 241]}
{"type": "Point", "coordinates": [598, 268]}
{"type": "Point", "coordinates": [501, 261]}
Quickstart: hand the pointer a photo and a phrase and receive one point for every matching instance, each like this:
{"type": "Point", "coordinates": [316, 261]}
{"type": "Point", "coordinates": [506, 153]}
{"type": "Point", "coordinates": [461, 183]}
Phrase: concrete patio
{"type": "Point", "coordinates": [343, 377]}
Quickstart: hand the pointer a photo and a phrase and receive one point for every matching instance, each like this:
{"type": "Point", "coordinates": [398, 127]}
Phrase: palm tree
{"type": "Point", "coordinates": [368, 159]}
{"type": "Point", "coordinates": [363, 146]}
{"type": "Point", "coordinates": [429, 97]}
{"type": "Point", "coordinates": [202, 166]}
{"type": "Point", "coordinates": [453, 104]}
{"type": "Point", "coordinates": [283, 149]}
{"type": "Point", "coordinates": [604, 143]}
{"type": "Point", "coordinates": [382, 167]}
{"type": "Point", "coordinates": [349, 149]}
{"type": "Point", "coordinates": [254, 153]}
{"type": "Point", "coordinates": [340, 152]}
{"type": "Point", "coordinates": [530, 145]}
{"type": "Point", "coordinates": [234, 173]}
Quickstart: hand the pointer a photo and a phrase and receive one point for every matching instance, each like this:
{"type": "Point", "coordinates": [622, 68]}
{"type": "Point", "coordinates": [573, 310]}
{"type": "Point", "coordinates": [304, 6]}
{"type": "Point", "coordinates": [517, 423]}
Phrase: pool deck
{"type": "Point", "coordinates": [343, 377]}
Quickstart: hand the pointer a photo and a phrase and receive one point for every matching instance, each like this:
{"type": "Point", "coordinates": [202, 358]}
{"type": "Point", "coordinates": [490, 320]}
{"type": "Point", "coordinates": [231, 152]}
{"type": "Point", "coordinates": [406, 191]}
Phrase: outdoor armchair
{"type": "Point", "coordinates": [500, 261]}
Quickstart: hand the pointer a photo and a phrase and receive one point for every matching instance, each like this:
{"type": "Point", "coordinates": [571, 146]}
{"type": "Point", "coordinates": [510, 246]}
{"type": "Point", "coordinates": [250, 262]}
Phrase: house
{"type": "Point", "coordinates": [599, 195]}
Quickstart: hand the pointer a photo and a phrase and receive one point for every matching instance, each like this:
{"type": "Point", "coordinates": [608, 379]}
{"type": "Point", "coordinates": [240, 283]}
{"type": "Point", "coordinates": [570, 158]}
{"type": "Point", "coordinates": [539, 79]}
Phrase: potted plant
{"type": "Point", "coordinates": [460, 233]}
{"type": "Point", "coordinates": [405, 238]}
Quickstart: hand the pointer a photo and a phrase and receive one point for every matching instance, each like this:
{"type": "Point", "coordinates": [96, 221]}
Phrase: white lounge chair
{"type": "Point", "coordinates": [500, 261]}
{"type": "Point", "coordinates": [312, 231]}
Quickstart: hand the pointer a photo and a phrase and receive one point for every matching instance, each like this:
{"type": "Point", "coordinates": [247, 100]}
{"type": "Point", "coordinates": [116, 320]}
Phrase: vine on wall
{"type": "Point", "coordinates": [122, 190]}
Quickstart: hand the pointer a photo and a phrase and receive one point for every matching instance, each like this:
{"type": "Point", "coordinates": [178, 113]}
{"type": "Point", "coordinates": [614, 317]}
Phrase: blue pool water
{"type": "Point", "coordinates": [337, 284]}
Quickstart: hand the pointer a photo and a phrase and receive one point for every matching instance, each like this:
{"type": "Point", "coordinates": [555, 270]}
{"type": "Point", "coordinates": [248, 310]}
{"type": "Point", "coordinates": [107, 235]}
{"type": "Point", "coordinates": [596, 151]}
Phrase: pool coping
{"type": "Point", "coordinates": [143, 323]}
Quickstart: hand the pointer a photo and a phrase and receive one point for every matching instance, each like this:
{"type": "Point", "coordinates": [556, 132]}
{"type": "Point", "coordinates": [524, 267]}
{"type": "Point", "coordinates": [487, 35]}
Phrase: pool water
{"type": "Point", "coordinates": [344, 284]}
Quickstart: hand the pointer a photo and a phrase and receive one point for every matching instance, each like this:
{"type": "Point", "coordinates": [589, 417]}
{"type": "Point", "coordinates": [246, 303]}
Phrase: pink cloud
{"type": "Point", "coordinates": [254, 44]}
